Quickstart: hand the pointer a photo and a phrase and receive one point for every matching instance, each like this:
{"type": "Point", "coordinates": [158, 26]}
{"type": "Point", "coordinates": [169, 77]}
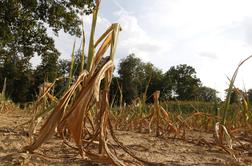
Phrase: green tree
{"type": "Point", "coordinates": [19, 78]}
{"type": "Point", "coordinates": [153, 79]}
{"type": "Point", "coordinates": [135, 76]}
{"type": "Point", "coordinates": [23, 23]}
{"type": "Point", "coordinates": [48, 69]}
{"type": "Point", "coordinates": [130, 72]}
{"type": "Point", "coordinates": [182, 81]}
{"type": "Point", "coordinates": [206, 94]}
{"type": "Point", "coordinates": [23, 34]}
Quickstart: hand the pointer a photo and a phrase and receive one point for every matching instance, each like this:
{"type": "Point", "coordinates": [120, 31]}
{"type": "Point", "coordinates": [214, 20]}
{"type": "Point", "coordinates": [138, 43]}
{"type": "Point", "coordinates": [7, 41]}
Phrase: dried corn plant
{"type": "Point", "coordinates": [41, 106]}
{"type": "Point", "coordinates": [201, 121]}
{"type": "Point", "coordinates": [160, 118]}
{"type": "Point", "coordinates": [72, 117]}
{"type": "Point", "coordinates": [135, 117]}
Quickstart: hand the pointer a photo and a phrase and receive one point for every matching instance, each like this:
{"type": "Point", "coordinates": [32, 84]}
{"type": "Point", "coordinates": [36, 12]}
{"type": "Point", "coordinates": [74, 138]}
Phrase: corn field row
{"type": "Point", "coordinates": [85, 119]}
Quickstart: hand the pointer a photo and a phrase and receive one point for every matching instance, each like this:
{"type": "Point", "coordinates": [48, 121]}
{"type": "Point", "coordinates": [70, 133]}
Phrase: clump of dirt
{"type": "Point", "coordinates": [195, 149]}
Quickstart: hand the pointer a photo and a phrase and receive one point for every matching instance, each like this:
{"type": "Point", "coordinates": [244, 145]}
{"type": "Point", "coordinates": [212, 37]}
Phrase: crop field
{"type": "Point", "coordinates": [181, 140]}
{"type": "Point", "coordinates": [85, 125]}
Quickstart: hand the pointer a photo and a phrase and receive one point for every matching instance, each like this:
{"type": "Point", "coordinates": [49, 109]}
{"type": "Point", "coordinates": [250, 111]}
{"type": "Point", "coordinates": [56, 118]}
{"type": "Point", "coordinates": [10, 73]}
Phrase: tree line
{"type": "Point", "coordinates": [180, 82]}
{"type": "Point", "coordinates": [133, 77]}
{"type": "Point", "coordinates": [23, 35]}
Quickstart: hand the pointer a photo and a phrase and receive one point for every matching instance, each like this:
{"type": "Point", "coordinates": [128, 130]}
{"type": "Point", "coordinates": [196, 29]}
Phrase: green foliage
{"type": "Point", "coordinates": [19, 79]}
{"type": "Point", "coordinates": [29, 18]}
{"type": "Point", "coordinates": [23, 34]}
{"type": "Point", "coordinates": [24, 24]}
{"type": "Point", "coordinates": [130, 72]}
{"type": "Point", "coordinates": [206, 94]}
{"type": "Point", "coordinates": [182, 81]}
{"type": "Point", "coordinates": [188, 107]}
{"type": "Point", "coordinates": [178, 82]}
{"type": "Point", "coordinates": [47, 70]}
{"type": "Point", "coordinates": [153, 79]}
{"type": "Point", "coordinates": [135, 75]}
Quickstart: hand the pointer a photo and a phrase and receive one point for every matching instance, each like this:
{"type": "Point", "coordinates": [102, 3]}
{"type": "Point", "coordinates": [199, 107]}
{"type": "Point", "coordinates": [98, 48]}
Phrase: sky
{"type": "Point", "coordinates": [212, 36]}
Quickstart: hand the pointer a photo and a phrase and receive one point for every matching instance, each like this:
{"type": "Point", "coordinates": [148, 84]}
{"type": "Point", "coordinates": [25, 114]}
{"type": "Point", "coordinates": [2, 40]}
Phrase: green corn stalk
{"type": "Point", "coordinates": [91, 49]}
{"type": "Point", "coordinates": [71, 67]}
{"type": "Point", "coordinates": [82, 50]}
{"type": "Point", "coordinates": [231, 85]}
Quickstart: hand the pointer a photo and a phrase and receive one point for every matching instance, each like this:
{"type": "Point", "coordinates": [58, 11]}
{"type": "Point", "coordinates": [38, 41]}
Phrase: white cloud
{"type": "Point", "coordinates": [134, 39]}
{"type": "Point", "coordinates": [208, 55]}
{"type": "Point", "coordinates": [212, 28]}
{"type": "Point", "coordinates": [247, 24]}
{"type": "Point", "coordinates": [211, 35]}
{"type": "Point", "coordinates": [199, 14]}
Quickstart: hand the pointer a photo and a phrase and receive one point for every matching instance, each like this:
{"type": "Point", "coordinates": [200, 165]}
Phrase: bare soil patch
{"type": "Point", "coordinates": [164, 150]}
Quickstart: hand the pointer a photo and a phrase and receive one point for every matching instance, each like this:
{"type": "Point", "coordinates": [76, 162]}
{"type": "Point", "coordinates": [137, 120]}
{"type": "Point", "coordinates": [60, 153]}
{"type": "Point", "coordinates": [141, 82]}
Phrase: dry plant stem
{"type": "Point", "coordinates": [125, 148]}
{"type": "Point", "coordinates": [103, 118]}
{"type": "Point", "coordinates": [79, 110]}
{"type": "Point", "coordinates": [44, 90]}
{"type": "Point", "coordinates": [157, 111]}
{"type": "Point", "coordinates": [74, 118]}
{"type": "Point", "coordinates": [4, 88]}
{"type": "Point", "coordinates": [104, 125]}
{"type": "Point", "coordinates": [121, 96]}
{"type": "Point", "coordinates": [158, 115]}
{"type": "Point", "coordinates": [49, 126]}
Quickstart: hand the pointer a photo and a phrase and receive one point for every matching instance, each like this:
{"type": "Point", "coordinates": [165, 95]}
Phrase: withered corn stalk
{"type": "Point", "coordinates": [42, 106]}
{"type": "Point", "coordinates": [159, 116]}
{"type": "Point", "coordinates": [73, 119]}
